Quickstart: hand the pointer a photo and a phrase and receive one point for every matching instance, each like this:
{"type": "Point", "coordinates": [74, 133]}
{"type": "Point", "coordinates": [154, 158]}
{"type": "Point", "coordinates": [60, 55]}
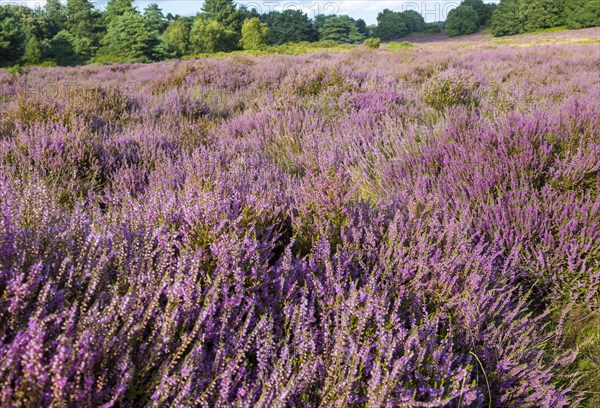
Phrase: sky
{"type": "Point", "coordinates": [432, 10]}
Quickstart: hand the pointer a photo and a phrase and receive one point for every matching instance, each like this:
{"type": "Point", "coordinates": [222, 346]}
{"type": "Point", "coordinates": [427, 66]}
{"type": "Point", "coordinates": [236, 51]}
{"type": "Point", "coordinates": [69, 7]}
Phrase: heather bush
{"type": "Point", "coordinates": [417, 228]}
{"type": "Point", "coordinates": [450, 88]}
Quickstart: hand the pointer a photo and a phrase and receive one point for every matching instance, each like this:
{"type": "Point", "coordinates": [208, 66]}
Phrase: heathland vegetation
{"type": "Point", "coordinates": [374, 228]}
{"type": "Point", "coordinates": [402, 224]}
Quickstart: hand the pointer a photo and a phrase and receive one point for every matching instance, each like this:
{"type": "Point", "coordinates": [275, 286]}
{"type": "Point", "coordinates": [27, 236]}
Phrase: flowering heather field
{"type": "Point", "coordinates": [417, 228]}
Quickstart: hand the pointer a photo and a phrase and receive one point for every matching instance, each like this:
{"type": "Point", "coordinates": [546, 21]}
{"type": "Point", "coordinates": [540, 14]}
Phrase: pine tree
{"type": "Point", "coordinates": [289, 26]}
{"type": "Point", "coordinates": [154, 18]}
{"type": "Point", "coordinates": [127, 39]}
{"type": "Point", "coordinates": [63, 49]}
{"type": "Point", "coordinates": [55, 14]}
{"type": "Point", "coordinates": [117, 8]}
{"type": "Point", "coordinates": [33, 52]}
{"type": "Point", "coordinates": [79, 16]}
{"type": "Point", "coordinates": [341, 29]}
{"type": "Point", "coordinates": [85, 24]}
{"type": "Point", "coordinates": [12, 37]}
{"type": "Point", "coordinates": [223, 12]}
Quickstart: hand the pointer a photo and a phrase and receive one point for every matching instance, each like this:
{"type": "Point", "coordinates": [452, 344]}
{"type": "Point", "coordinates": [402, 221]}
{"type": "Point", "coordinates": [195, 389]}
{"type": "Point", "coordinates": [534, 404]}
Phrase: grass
{"type": "Point", "coordinates": [548, 30]}
{"type": "Point", "coordinates": [582, 333]}
{"type": "Point", "coordinates": [394, 46]}
{"type": "Point", "coordinates": [284, 49]}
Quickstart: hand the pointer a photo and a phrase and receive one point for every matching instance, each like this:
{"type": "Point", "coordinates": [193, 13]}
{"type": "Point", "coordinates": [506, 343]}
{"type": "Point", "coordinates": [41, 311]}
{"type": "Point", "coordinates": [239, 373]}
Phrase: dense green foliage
{"type": "Point", "coordinates": [128, 39]}
{"type": "Point", "coordinates": [521, 16]}
{"type": "Point", "coordinates": [289, 26]}
{"type": "Point", "coordinates": [341, 29]}
{"type": "Point", "coordinates": [33, 52]}
{"type": "Point", "coordinates": [175, 39]}
{"type": "Point", "coordinates": [391, 25]}
{"type": "Point", "coordinates": [582, 13]}
{"type": "Point", "coordinates": [117, 8]}
{"type": "Point", "coordinates": [63, 48]}
{"type": "Point", "coordinates": [373, 43]}
{"type": "Point", "coordinates": [507, 19]}
{"type": "Point", "coordinates": [12, 36]}
{"type": "Point", "coordinates": [254, 34]}
{"type": "Point", "coordinates": [469, 17]}
{"type": "Point", "coordinates": [541, 14]}
{"type": "Point", "coordinates": [484, 11]}
{"type": "Point", "coordinates": [208, 36]}
{"type": "Point", "coordinates": [462, 20]}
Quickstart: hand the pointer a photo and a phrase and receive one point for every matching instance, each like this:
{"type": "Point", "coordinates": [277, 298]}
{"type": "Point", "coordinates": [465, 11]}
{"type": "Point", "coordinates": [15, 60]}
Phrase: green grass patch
{"type": "Point", "coordinates": [582, 333]}
{"type": "Point", "coordinates": [548, 30]}
{"type": "Point", "coordinates": [284, 49]}
{"type": "Point", "coordinates": [503, 42]}
{"type": "Point", "coordinates": [394, 46]}
{"type": "Point", "coordinates": [589, 41]}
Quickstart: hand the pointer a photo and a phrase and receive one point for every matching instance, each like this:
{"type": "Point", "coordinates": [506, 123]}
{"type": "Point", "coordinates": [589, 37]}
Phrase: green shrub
{"type": "Point", "coordinates": [373, 43]}
{"type": "Point", "coordinates": [326, 44]}
{"type": "Point", "coordinates": [16, 69]}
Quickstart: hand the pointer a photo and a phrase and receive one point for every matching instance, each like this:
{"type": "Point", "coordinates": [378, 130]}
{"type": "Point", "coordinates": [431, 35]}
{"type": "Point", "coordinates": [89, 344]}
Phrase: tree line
{"type": "Point", "coordinates": [77, 33]}
{"type": "Point", "coordinates": [511, 17]}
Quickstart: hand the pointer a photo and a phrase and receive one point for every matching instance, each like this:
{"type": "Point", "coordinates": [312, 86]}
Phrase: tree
{"type": "Point", "coordinates": [33, 52]}
{"type": "Point", "coordinates": [414, 20]}
{"type": "Point", "coordinates": [461, 21]}
{"type": "Point", "coordinates": [31, 21]}
{"type": "Point", "coordinates": [85, 23]}
{"type": "Point", "coordinates": [207, 36]}
{"type": "Point", "coordinates": [246, 13]}
{"type": "Point", "coordinates": [128, 39]}
{"type": "Point", "coordinates": [55, 14]}
{"type": "Point", "coordinates": [361, 25]}
{"type": "Point", "coordinates": [117, 8]}
{"type": "Point", "coordinates": [483, 10]}
{"type": "Point", "coordinates": [223, 12]}
{"type": "Point", "coordinates": [540, 14]}
{"type": "Point", "coordinates": [391, 25]}
{"type": "Point", "coordinates": [154, 19]}
{"type": "Point", "coordinates": [507, 18]}
{"type": "Point", "coordinates": [176, 38]}
{"type": "Point", "coordinates": [63, 49]}
{"type": "Point", "coordinates": [254, 34]}
{"type": "Point", "coordinates": [12, 37]}
{"type": "Point", "coordinates": [289, 26]}
{"type": "Point", "coordinates": [341, 29]}
{"type": "Point", "coordinates": [582, 13]}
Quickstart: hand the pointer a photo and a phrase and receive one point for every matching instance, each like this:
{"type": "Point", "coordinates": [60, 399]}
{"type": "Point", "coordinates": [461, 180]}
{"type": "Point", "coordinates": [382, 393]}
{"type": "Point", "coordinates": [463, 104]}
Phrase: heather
{"type": "Point", "coordinates": [409, 228]}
